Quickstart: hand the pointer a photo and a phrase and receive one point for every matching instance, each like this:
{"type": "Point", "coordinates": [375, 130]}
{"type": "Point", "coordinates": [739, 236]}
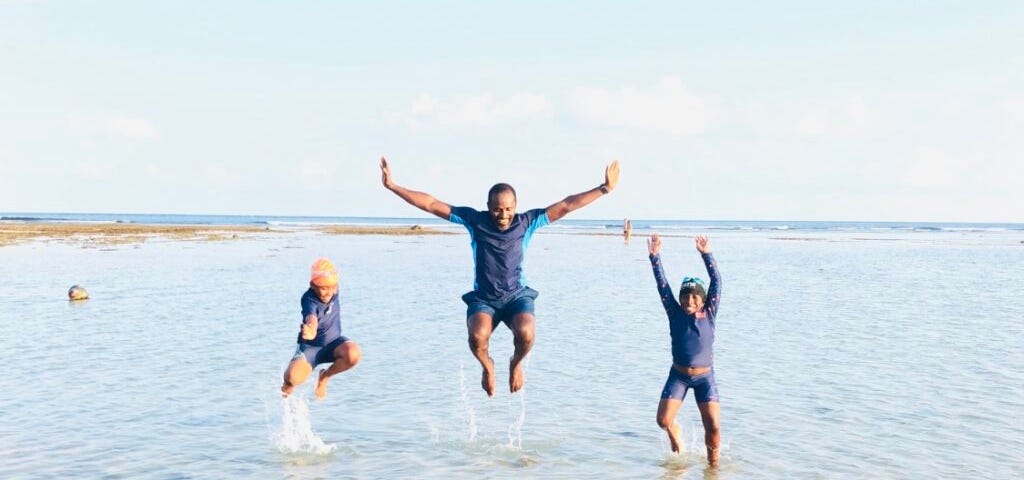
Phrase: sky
{"type": "Point", "coordinates": [742, 110]}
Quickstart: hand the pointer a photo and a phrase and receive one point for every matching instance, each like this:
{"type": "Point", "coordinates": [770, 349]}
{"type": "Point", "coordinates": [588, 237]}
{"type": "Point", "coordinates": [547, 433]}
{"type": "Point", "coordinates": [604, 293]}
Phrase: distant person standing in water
{"type": "Point", "coordinates": [692, 327]}
{"type": "Point", "coordinates": [627, 230]}
{"type": "Point", "coordinates": [320, 339]}
{"type": "Point", "coordinates": [499, 237]}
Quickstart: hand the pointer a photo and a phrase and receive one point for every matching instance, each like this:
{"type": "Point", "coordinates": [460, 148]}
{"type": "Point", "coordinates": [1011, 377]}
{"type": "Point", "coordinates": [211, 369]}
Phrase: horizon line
{"type": "Point", "coordinates": [28, 213]}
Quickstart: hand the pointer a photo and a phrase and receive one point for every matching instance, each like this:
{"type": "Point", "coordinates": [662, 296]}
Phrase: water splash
{"type": "Point", "coordinates": [693, 452]}
{"type": "Point", "coordinates": [515, 430]}
{"type": "Point", "coordinates": [675, 466]}
{"type": "Point", "coordinates": [296, 434]}
{"type": "Point", "coordinates": [468, 414]}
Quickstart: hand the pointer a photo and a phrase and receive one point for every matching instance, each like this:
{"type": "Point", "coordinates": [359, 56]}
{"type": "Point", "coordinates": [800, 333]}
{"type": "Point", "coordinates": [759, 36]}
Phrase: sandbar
{"type": "Point", "coordinates": [100, 234]}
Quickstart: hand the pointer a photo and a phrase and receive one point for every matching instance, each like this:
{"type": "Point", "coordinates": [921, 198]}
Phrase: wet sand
{"type": "Point", "coordinates": [99, 234]}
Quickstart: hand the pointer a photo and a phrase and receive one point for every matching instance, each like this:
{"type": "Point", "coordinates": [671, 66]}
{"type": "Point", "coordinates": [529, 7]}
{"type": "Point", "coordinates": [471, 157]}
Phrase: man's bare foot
{"type": "Point", "coordinates": [516, 377]}
{"type": "Point", "coordinates": [286, 389]}
{"type": "Point", "coordinates": [321, 385]}
{"type": "Point", "coordinates": [487, 377]}
{"type": "Point", "coordinates": [673, 437]}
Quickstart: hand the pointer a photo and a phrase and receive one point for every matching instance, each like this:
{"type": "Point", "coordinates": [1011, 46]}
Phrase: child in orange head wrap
{"type": "Point", "coordinates": [320, 339]}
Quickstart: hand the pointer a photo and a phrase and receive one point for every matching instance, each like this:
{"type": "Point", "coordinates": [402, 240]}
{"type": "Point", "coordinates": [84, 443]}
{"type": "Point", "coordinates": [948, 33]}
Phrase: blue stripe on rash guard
{"type": "Point", "coordinates": [472, 245]}
{"type": "Point", "coordinates": [455, 218]}
{"type": "Point", "coordinates": [538, 222]}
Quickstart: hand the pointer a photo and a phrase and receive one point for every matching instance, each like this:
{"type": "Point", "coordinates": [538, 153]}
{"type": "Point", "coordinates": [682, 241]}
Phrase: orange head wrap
{"type": "Point", "coordinates": [323, 273]}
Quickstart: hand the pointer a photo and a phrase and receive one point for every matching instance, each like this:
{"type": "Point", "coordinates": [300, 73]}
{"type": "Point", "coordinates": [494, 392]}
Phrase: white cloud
{"type": "Point", "coordinates": [219, 175]}
{"type": "Point", "coordinates": [121, 126]}
{"type": "Point", "coordinates": [851, 118]}
{"type": "Point", "coordinates": [1001, 161]}
{"type": "Point", "coordinates": [991, 169]}
{"type": "Point", "coordinates": [667, 107]}
{"type": "Point", "coordinates": [976, 154]}
{"type": "Point", "coordinates": [857, 112]}
{"type": "Point", "coordinates": [476, 111]}
{"type": "Point", "coordinates": [94, 171]}
{"type": "Point", "coordinates": [424, 105]}
{"type": "Point", "coordinates": [155, 171]}
{"type": "Point", "coordinates": [989, 164]}
{"type": "Point", "coordinates": [933, 168]}
{"type": "Point", "coordinates": [6, 155]}
{"type": "Point", "coordinates": [316, 175]}
{"type": "Point", "coordinates": [812, 123]}
{"type": "Point", "coordinates": [130, 127]}
{"type": "Point", "coordinates": [1013, 111]}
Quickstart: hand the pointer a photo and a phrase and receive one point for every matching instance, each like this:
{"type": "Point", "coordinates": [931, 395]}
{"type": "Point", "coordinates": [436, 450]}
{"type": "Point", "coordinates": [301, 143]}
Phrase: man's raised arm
{"type": "Point", "coordinates": [420, 200]}
{"type": "Point", "coordinates": [574, 202]}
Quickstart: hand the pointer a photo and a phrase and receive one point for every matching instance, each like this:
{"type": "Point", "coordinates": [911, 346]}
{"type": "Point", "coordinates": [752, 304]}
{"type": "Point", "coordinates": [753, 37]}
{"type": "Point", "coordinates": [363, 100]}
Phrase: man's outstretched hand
{"type": "Point", "coordinates": [611, 175]}
{"type": "Point", "coordinates": [385, 174]}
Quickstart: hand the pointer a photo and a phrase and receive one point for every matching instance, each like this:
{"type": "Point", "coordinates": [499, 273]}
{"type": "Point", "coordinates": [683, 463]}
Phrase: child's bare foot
{"type": "Point", "coordinates": [673, 437]}
{"type": "Point", "coordinates": [516, 377]}
{"type": "Point", "coordinates": [712, 457]}
{"type": "Point", "coordinates": [286, 389]}
{"type": "Point", "coordinates": [487, 377]}
{"type": "Point", "coordinates": [321, 386]}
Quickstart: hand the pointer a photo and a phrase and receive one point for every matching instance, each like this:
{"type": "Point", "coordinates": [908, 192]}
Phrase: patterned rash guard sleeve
{"type": "Point", "coordinates": [714, 287]}
{"type": "Point", "coordinates": [668, 300]}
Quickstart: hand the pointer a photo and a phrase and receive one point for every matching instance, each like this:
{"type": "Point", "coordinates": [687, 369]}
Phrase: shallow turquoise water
{"type": "Point", "coordinates": [839, 355]}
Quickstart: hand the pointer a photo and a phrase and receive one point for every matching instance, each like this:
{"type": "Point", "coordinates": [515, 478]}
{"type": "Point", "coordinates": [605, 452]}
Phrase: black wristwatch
{"type": "Point", "coordinates": [603, 188]}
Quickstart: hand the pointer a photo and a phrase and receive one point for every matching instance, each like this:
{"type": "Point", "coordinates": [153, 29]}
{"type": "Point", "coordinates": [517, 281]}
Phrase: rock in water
{"type": "Point", "coordinates": [77, 293]}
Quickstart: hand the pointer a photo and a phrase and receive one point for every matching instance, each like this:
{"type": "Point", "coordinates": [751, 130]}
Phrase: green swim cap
{"type": "Point", "coordinates": [692, 285]}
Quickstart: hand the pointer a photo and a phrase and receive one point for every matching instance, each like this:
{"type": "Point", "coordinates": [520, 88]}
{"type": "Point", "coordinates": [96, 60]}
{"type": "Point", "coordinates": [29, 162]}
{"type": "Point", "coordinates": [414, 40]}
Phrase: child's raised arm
{"type": "Point", "coordinates": [715, 285]}
{"type": "Point", "coordinates": [668, 300]}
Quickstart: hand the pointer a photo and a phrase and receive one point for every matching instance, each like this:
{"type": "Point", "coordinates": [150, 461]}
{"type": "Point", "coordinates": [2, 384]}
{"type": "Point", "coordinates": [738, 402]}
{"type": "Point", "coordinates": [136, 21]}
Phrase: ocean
{"type": "Point", "coordinates": [567, 224]}
{"type": "Point", "coordinates": [844, 350]}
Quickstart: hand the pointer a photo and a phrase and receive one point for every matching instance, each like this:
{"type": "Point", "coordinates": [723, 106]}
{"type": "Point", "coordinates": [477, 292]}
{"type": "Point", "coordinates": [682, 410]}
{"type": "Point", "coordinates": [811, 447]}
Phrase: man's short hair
{"type": "Point", "coordinates": [499, 188]}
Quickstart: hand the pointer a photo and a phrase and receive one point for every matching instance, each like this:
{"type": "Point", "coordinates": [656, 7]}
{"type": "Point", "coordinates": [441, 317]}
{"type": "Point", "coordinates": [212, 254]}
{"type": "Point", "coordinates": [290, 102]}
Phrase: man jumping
{"type": "Point", "coordinates": [499, 237]}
